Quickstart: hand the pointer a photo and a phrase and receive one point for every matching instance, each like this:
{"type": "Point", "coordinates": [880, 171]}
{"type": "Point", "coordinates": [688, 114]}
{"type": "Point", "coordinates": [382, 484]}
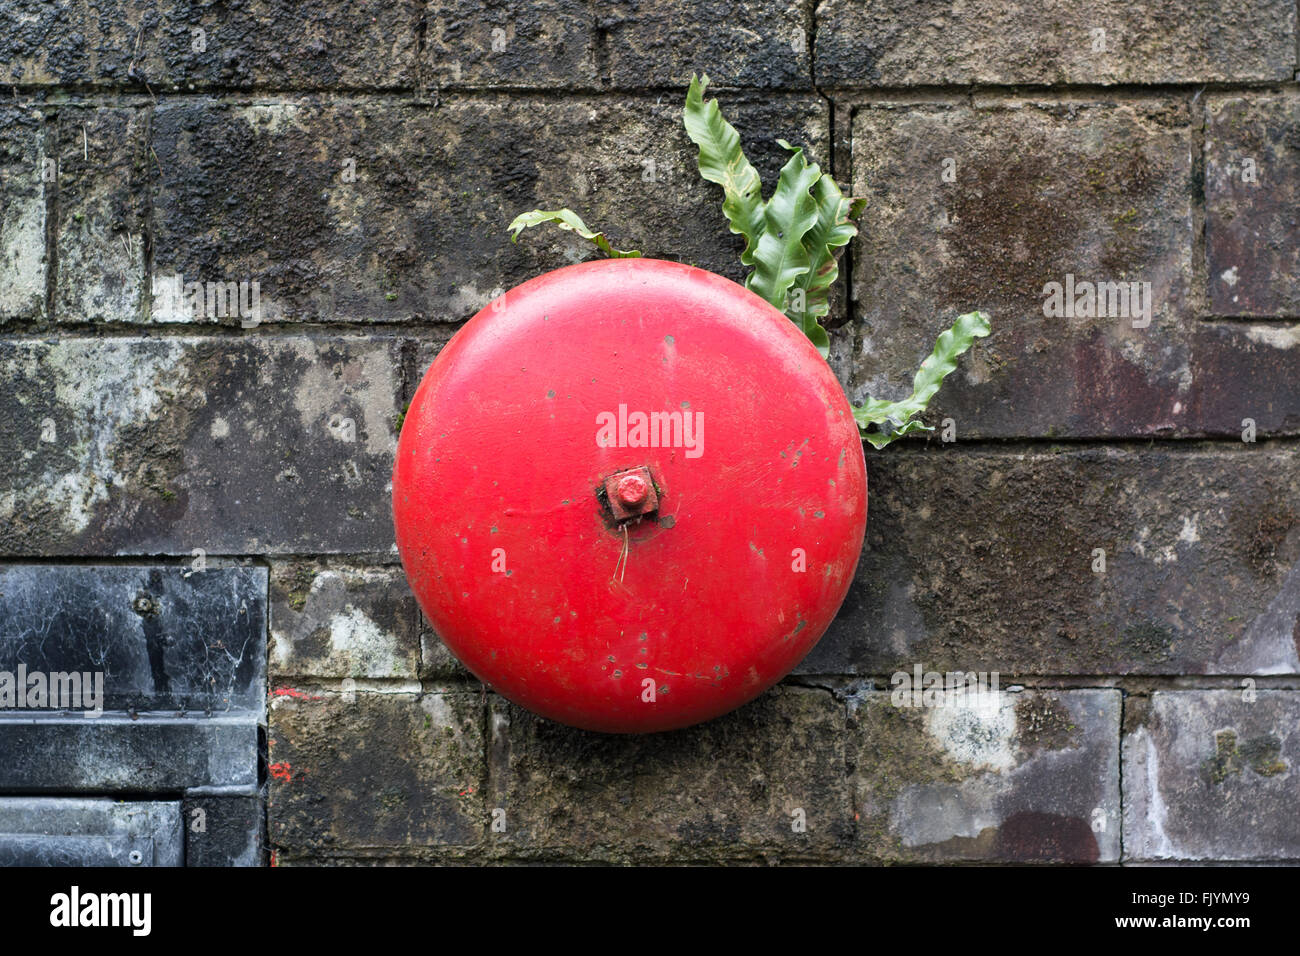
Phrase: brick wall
{"type": "Point", "coordinates": [360, 161]}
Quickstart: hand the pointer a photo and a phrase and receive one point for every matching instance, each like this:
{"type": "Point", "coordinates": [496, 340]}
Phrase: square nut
{"type": "Point", "coordinates": [631, 493]}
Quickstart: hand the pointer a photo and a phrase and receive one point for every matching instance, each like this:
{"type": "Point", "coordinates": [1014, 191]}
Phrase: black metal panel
{"type": "Point", "coordinates": [164, 638]}
{"type": "Point", "coordinates": [116, 754]}
{"type": "Point", "coordinates": [51, 831]}
{"type": "Point", "coordinates": [144, 681]}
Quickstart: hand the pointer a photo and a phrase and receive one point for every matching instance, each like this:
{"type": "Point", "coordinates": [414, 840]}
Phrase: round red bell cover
{"type": "Point", "coordinates": [667, 600]}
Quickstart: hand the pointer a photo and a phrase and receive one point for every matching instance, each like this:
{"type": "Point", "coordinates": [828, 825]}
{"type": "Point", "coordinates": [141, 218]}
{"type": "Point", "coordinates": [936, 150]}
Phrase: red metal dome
{"type": "Point", "coordinates": [629, 495]}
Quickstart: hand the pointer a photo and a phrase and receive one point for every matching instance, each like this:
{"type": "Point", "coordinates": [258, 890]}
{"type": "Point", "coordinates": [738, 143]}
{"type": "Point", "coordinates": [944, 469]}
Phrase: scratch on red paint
{"type": "Point", "coordinates": [281, 771]}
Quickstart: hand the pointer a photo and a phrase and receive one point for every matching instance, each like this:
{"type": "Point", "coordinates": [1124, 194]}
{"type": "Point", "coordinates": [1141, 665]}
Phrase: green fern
{"type": "Point", "coordinates": [794, 247]}
{"type": "Point", "coordinates": [900, 416]}
{"type": "Point", "coordinates": [793, 242]}
{"type": "Point", "coordinates": [568, 219]}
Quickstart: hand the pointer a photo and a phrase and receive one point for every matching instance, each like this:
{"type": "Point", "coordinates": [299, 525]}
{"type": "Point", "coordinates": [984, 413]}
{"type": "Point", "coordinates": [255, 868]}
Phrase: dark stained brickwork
{"type": "Point", "coordinates": [1107, 520]}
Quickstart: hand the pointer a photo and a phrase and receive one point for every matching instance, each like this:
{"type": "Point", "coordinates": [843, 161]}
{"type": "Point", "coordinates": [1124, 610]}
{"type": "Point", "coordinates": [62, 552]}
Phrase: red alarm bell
{"type": "Point", "coordinates": [629, 495]}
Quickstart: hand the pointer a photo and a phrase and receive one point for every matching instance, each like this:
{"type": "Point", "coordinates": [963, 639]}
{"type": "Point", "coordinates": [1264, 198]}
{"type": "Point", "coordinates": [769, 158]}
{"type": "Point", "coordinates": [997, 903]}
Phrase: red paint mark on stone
{"type": "Point", "coordinates": [281, 771]}
{"type": "Point", "coordinates": [291, 692]}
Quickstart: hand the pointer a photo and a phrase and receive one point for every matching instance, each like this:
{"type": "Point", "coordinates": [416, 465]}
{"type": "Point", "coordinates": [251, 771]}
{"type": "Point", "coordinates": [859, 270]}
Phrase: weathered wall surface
{"type": "Point", "coordinates": [1115, 528]}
